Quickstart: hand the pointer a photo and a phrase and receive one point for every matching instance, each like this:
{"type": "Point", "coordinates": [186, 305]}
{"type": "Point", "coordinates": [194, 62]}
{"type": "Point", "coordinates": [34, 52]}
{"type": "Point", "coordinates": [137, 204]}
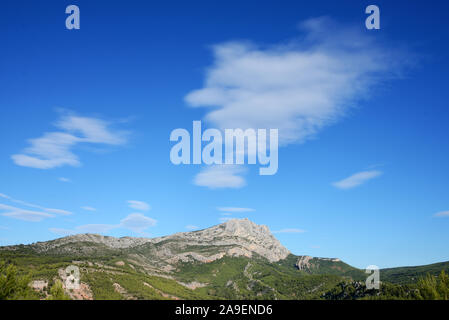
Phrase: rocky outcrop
{"type": "Point", "coordinates": [303, 263]}
{"type": "Point", "coordinates": [108, 242]}
{"type": "Point", "coordinates": [234, 238]}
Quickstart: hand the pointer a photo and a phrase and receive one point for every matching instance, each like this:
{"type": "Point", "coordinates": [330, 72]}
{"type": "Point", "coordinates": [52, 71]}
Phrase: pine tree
{"type": "Point", "coordinates": [13, 286]}
{"type": "Point", "coordinates": [57, 292]}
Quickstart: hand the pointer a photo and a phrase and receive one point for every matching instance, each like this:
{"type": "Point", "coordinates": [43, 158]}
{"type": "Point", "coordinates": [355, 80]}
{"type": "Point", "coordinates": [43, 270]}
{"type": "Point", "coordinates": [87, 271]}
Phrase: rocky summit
{"type": "Point", "coordinates": [236, 237]}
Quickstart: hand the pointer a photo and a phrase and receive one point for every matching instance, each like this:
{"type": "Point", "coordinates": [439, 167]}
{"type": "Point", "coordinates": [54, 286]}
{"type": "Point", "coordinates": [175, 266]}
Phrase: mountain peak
{"type": "Point", "coordinates": [235, 237]}
{"type": "Point", "coordinates": [245, 227]}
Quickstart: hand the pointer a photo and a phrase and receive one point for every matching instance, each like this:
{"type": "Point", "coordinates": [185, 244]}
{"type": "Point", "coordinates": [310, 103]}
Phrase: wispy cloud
{"type": "Point", "coordinates": [221, 176]}
{"type": "Point", "coordinates": [29, 215]}
{"type": "Point", "coordinates": [192, 227]}
{"type": "Point", "coordinates": [58, 211]}
{"type": "Point", "coordinates": [54, 149]}
{"type": "Point", "coordinates": [62, 232]}
{"type": "Point", "coordinates": [138, 205]}
{"type": "Point", "coordinates": [23, 214]}
{"type": "Point", "coordinates": [299, 87]}
{"type": "Point", "coordinates": [87, 228]}
{"type": "Point", "coordinates": [87, 208]}
{"type": "Point", "coordinates": [96, 228]}
{"type": "Point", "coordinates": [357, 179]}
{"type": "Point", "coordinates": [289, 230]}
{"type": "Point", "coordinates": [136, 222]}
{"type": "Point", "coordinates": [235, 209]}
{"type": "Point", "coordinates": [442, 214]}
{"type": "Point", "coordinates": [62, 179]}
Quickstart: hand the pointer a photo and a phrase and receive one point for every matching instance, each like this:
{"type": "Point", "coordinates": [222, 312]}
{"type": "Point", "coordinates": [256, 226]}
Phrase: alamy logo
{"type": "Point", "coordinates": [73, 20]}
{"type": "Point", "coordinates": [249, 143]}
{"type": "Point", "coordinates": [73, 277]}
{"type": "Point", "coordinates": [373, 280]}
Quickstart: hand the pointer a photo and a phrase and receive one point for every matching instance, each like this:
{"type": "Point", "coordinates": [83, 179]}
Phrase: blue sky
{"type": "Point", "coordinates": [362, 117]}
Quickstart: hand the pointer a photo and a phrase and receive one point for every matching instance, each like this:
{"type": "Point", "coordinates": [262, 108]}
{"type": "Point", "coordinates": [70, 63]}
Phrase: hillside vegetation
{"type": "Point", "coordinates": [234, 260]}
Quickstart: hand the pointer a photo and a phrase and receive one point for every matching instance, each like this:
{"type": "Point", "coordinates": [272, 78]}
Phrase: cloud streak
{"type": "Point", "coordinates": [357, 179]}
{"type": "Point", "coordinates": [442, 214]}
{"type": "Point", "coordinates": [55, 149]}
{"type": "Point", "coordinates": [221, 176]}
{"type": "Point", "coordinates": [29, 215]}
{"type": "Point", "coordinates": [136, 222]}
{"type": "Point", "coordinates": [139, 205]}
{"type": "Point", "coordinates": [87, 208]}
{"type": "Point", "coordinates": [23, 214]}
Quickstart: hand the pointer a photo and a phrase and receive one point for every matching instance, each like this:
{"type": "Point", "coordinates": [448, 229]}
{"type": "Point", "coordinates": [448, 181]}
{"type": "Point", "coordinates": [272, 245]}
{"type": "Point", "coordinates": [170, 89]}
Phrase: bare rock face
{"type": "Point", "coordinates": [235, 238]}
{"type": "Point", "coordinates": [303, 263]}
{"type": "Point", "coordinates": [108, 242]}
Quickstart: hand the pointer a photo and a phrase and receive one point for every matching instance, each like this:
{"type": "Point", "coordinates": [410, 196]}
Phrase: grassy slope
{"type": "Point", "coordinates": [226, 278]}
{"type": "Point", "coordinates": [100, 275]}
{"type": "Point", "coordinates": [328, 267]}
{"type": "Point", "coordinates": [243, 278]}
{"type": "Point", "coordinates": [407, 275]}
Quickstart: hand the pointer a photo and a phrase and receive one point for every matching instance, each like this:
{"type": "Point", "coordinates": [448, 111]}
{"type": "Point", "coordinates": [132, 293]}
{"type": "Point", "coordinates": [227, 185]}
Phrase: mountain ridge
{"type": "Point", "coordinates": [237, 259]}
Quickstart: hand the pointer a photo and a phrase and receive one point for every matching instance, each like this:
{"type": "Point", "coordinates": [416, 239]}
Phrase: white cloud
{"type": "Point", "coordinates": [357, 179]}
{"type": "Point", "coordinates": [299, 87]}
{"type": "Point", "coordinates": [28, 215]}
{"type": "Point", "coordinates": [224, 219]}
{"type": "Point", "coordinates": [62, 179]}
{"type": "Point", "coordinates": [23, 214]}
{"type": "Point", "coordinates": [235, 209]}
{"type": "Point", "coordinates": [192, 227]}
{"type": "Point", "coordinates": [137, 222]}
{"type": "Point", "coordinates": [62, 232]}
{"type": "Point", "coordinates": [289, 230]}
{"type": "Point", "coordinates": [138, 205]}
{"type": "Point", "coordinates": [58, 211]}
{"type": "Point", "coordinates": [220, 176]}
{"type": "Point", "coordinates": [87, 228]}
{"type": "Point", "coordinates": [96, 228]}
{"type": "Point", "coordinates": [87, 208]}
{"type": "Point", "coordinates": [442, 214]}
{"type": "Point", "coordinates": [92, 130]}
{"type": "Point", "coordinates": [54, 149]}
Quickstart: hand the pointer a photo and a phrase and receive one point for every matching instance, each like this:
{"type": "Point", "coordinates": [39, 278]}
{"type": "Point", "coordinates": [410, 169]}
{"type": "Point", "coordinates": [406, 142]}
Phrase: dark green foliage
{"type": "Point", "coordinates": [434, 288]}
{"type": "Point", "coordinates": [57, 292]}
{"type": "Point", "coordinates": [404, 275]}
{"type": "Point", "coordinates": [13, 286]}
{"type": "Point", "coordinates": [225, 278]}
{"type": "Point", "coordinates": [325, 266]}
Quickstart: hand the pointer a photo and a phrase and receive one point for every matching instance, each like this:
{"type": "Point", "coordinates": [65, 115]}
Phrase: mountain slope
{"type": "Point", "coordinates": [234, 260]}
{"type": "Point", "coordinates": [407, 275]}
